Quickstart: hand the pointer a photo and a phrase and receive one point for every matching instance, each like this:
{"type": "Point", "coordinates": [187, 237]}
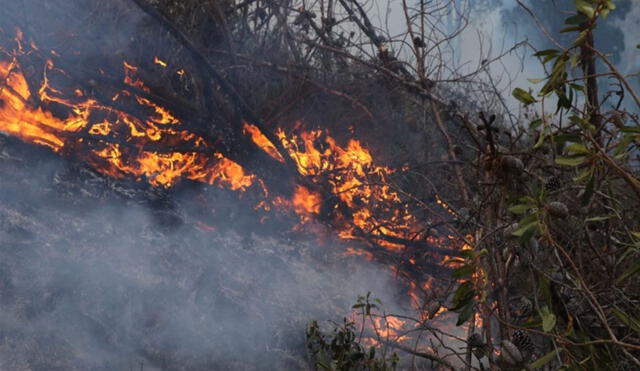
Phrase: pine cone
{"type": "Point", "coordinates": [512, 164]}
{"type": "Point", "coordinates": [523, 341]}
{"type": "Point", "coordinates": [520, 307]}
{"type": "Point", "coordinates": [510, 355]}
{"type": "Point", "coordinates": [557, 209]}
{"type": "Point", "coordinates": [553, 184]}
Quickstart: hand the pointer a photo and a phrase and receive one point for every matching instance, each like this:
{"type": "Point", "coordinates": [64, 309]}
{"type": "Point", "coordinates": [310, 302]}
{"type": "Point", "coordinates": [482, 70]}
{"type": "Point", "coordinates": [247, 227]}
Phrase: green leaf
{"type": "Point", "coordinates": [531, 218]}
{"type": "Point", "coordinates": [548, 58]}
{"type": "Point", "coordinates": [558, 76]}
{"type": "Point", "coordinates": [532, 323]}
{"type": "Point", "coordinates": [633, 269]}
{"type": "Point", "coordinates": [546, 52]}
{"type": "Point", "coordinates": [545, 289]}
{"type": "Point", "coordinates": [634, 323]}
{"type": "Point", "coordinates": [527, 230]}
{"type": "Point", "coordinates": [540, 140]}
{"type": "Point", "coordinates": [466, 313]}
{"type": "Point", "coordinates": [520, 209]}
{"type": "Point", "coordinates": [582, 176]}
{"type": "Point", "coordinates": [536, 81]}
{"type": "Point", "coordinates": [630, 129]}
{"type": "Point", "coordinates": [570, 161]}
{"type": "Point", "coordinates": [523, 96]}
{"type": "Point", "coordinates": [609, 6]}
{"type": "Point", "coordinates": [545, 359]}
{"type": "Point", "coordinates": [464, 294]}
{"type": "Point", "coordinates": [470, 254]}
{"type": "Point", "coordinates": [529, 233]}
{"type": "Point", "coordinates": [588, 191]}
{"type": "Point", "coordinates": [548, 319]}
{"type": "Point", "coordinates": [578, 148]}
{"type": "Point", "coordinates": [573, 62]}
{"type": "Point", "coordinates": [527, 200]}
{"type": "Point", "coordinates": [464, 271]}
{"type": "Point", "coordinates": [577, 87]}
{"type": "Point", "coordinates": [599, 218]}
{"type": "Point", "coordinates": [585, 8]}
{"type": "Point", "coordinates": [582, 36]}
{"type": "Point", "coordinates": [535, 123]}
{"type": "Point", "coordinates": [623, 146]}
{"type": "Point", "coordinates": [576, 19]}
{"type": "Point", "coordinates": [570, 29]}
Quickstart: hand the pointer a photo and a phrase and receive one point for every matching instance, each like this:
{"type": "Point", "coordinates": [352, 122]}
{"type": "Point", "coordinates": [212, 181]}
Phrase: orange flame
{"type": "Point", "coordinates": [305, 201]}
{"type": "Point", "coordinates": [159, 62]}
{"type": "Point", "coordinates": [355, 180]}
{"type": "Point", "coordinates": [261, 141]}
{"type": "Point", "coordinates": [119, 137]}
{"type": "Point", "coordinates": [141, 146]}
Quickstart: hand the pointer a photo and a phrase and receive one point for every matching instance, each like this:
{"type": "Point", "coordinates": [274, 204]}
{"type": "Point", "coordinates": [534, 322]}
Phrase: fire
{"type": "Point", "coordinates": [130, 77]}
{"type": "Point", "coordinates": [159, 62]}
{"type": "Point", "coordinates": [381, 328]}
{"type": "Point", "coordinates": [261, 141]}
{"type": "Point", "coordinates": [121, 144]}
{"type": "Point", "coordinates": [354, 179]}
{"type": "Point", "coordinates": [127, 135]}
{"type": "Point", "coordinates": [305, 201]}
{"type": "Point", "coordinates": [445, 206]}
{"type": "Point", "coordinates": [118, 138]}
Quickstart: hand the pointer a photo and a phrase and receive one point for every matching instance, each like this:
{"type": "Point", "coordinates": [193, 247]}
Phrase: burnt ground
{"type": "Point", "coordinates": [103, 274]}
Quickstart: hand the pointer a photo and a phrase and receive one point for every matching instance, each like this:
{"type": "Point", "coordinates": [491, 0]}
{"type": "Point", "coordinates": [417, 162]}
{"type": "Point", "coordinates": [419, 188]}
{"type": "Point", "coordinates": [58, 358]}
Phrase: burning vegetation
{"type": "Point", "coordinates": [317, 168]}
{"type": "Point", "coordinates": [130, 136]}
{"type": "Point", "coordinates": [127, 135]}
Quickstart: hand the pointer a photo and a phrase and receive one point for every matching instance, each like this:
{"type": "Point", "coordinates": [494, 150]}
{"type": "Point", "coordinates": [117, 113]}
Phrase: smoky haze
{"type": "Point", "coordinates": [92, 281]}
{"type": "Point", "coordinates": [99, 274]}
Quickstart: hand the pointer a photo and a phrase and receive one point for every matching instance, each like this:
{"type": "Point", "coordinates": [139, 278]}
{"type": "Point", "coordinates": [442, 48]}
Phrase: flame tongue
{"type": "Point", "coordinates": [356, 181]}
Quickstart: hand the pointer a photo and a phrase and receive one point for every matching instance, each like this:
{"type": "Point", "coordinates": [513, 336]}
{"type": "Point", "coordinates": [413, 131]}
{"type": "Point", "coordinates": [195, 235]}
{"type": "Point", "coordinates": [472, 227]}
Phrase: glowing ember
{"type": "Point", "coordinates": [159, 62]}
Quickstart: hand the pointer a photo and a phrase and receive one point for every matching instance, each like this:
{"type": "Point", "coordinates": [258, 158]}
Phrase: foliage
{"type": "Point", "coordinates": [572, 211]}
{"type": "Point", "coordinates": [551, 203]}
{"type": "Point", "coordinates": [609, 36]}
{"type": "Point", "coordinates": [340, 349]}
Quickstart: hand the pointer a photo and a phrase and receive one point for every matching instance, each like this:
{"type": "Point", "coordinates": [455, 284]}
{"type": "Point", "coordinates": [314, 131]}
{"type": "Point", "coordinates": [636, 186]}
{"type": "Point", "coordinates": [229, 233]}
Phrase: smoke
{"type": "Point", "coordinates": [90, 281]}
{"type": "Point", "coordinates": [100, 274]}
{"type": "Point", "coordinates": [505, 37]}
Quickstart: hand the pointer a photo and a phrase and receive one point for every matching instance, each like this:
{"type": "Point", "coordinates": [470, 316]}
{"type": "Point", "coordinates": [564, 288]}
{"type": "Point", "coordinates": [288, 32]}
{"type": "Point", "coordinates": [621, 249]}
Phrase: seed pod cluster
{"type": "Point", "coordinates": [520, 307]}
{"type": "Point", "coordinates": [524, 343]}
{"type": "Point", "coordinates": [553, 184]}
{"type": "Point", "coordinates": [510, 355]}
{"type": "Point", "coordinates": [557, 209]}
{"type": "Point", "coordinates": [512, 164]}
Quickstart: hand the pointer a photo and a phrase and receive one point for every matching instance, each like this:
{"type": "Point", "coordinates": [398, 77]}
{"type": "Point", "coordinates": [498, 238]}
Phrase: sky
{"type": "Point", "coordinates": [495, 26]}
